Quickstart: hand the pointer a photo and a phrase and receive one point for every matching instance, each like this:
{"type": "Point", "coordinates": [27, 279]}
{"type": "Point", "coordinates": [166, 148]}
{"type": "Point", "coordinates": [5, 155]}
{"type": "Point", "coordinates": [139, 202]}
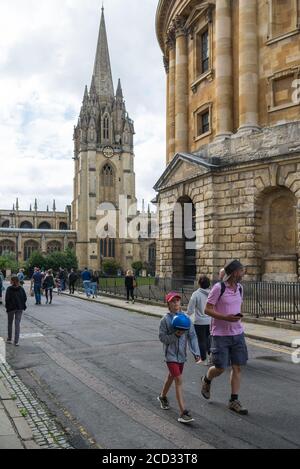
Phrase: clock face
{"type": "Point", "coordinates": [108, 152]}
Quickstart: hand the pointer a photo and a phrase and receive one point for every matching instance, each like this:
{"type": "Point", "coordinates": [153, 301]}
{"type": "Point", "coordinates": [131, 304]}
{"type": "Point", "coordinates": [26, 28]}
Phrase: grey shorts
{"type": "Point", "coordinates": [229, 350]}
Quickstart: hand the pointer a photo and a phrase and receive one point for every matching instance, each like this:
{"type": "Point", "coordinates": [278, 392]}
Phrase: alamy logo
{"type": "Point", "coordinates": [296, 354]}
{"type": "Point", "coordinates": [296, 93]}
{"type": "Point", "coordinates": [2, 351]}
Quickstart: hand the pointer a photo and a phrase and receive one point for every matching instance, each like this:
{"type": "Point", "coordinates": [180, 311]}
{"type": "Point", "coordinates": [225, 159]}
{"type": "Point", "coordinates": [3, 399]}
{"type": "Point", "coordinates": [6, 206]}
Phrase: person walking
{"type": "Point", "coordinates": [48, 285]}
{"type": "Point", "coordinates": [130, 285]}
{"type": "Point", "coordinates": [228, 345]}
{"type": "Point", "coordinates": [61, 276]}
{"type": "Point", "coordinates": [15, 303]}
{"type": "Point", "coordinates": [21, 276]}
{"type": "Point", "coordinates": [94, 284]}
{"type": "Point", "coordinates": [202, 322]}
{"type": "Point", "coordinates": [1, 286]}
{"type": "Point", "coordinates": [73, 277]}
{"type": "Point", "coordinates": [86, 280]}
{"type": "Point", "coordinates": [176, 331]}
{"type": "Point", "coordinates": [36, 284]}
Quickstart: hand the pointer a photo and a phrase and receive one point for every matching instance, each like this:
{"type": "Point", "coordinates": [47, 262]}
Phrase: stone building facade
{"type": "Point", "coordinates": [24, 231]}
{"type": "Point", "coordinates": [104, 173]}
{"type": "Point", "coordinates": [233, 136]}
{"type": "Point", "coordinates": [104, 181]}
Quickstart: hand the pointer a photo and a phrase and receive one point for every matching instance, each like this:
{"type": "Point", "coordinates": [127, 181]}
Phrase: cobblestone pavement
{"type": "Point", "coordinates": [47, 434]}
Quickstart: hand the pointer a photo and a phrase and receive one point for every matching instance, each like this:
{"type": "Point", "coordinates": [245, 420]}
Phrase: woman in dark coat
{"type": "Point", "coordinates": [15, 303]}
{"type": "Point", "coordinates": [130, 284]}
{"type": "Point", "coordinates": [48, 285]}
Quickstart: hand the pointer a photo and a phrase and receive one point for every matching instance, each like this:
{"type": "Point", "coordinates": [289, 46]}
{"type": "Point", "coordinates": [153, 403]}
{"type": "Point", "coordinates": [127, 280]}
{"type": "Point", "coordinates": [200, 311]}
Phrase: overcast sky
{"type": "Point", "coordinates": [47, 52]}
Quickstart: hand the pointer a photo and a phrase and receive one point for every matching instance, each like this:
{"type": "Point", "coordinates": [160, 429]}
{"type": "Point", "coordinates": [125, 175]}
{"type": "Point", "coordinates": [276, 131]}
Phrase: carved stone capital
{"type": "Point", "coordinates": [179, 23]}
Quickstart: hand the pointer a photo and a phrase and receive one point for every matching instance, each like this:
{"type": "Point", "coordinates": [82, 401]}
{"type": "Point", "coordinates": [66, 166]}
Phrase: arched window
{"type": "Point", "coordinates": [29, 248]}
{"type": "Point", "coordinates": [108, 247]}
{"type": "Point", "coordinates": [54, 246]}
{"type": "Point", "coordinates": [6, 247]}
{"type": "Point", "coordinates": [63, 226]}
{"type": "Point", "coordinates": [44, 226]}
{"type": "Point", "coordinates": [107, 176]}
{"type": "Point", "coordinates": [26, 225]}
{"type": "Point", "coordinates": [106, 128]}
{"type": "Point", "coordinates": [5, 224]}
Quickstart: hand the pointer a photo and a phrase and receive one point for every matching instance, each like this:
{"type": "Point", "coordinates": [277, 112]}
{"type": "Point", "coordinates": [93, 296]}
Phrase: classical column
{"type": "Point", "coordinates": [248, 69]}
{"type": "Point", "coordinates": [181, 87]}
{"type": "Point", "coordinates": [171, 97]}
{"type": "Point", "coordinates": [224, 69]}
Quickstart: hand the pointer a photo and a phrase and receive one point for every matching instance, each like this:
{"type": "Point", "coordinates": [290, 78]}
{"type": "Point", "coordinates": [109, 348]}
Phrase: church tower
{"type": "Point", "coordinates": [104, 164]}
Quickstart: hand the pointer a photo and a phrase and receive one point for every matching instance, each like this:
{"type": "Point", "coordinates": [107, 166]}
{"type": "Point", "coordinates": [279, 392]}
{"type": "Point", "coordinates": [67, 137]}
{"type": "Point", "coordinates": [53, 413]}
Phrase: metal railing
{"type": "Point", "coordinates": [261, 299]}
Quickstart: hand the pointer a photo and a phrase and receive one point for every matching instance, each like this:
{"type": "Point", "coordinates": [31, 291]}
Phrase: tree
{"type": "Point", "coordinates": [110, 267]}
{"type": "Point", "coordinates": [35, 260]}
{"type": "Point", "coordinates": [8, 261]}
{"type": "Point", "coordinates": [137, 267]}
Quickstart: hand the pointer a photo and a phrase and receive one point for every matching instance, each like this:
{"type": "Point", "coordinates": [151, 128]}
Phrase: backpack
{"type": "Point", "coordinates": [223, 288]}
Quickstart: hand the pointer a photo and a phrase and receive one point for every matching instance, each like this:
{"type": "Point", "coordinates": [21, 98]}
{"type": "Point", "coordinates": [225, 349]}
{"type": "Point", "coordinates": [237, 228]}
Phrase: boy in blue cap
{"type": "Point", "coordinates": [176, 331]}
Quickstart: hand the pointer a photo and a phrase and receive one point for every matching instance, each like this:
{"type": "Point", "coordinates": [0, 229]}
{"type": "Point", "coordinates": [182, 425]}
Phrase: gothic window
{"type": "Point", "coordinates": [107, 176]}
{"type": "Point", "coordinates": [5, 224]}
{"type": "Point", "coordinates": [29, 248]}
{"type": "Point", "coordinates": [54, 246]}
{"type": "Point", "coordinates": [44, 226]}
{"type": "Point", "coordinates": [26, 225]}
{"type": "Point", "coordinates": [108, 247]}
{"type": "Point", "coordinates": [106, 128]}
{"type": "Point", "coordinates": [63, 226]}
{"type": "Point", "coordinates": [6, 247]}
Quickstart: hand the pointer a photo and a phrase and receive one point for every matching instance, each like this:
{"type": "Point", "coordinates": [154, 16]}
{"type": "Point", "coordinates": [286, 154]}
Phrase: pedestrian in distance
{"type": "Point", "coordinates": [176, 332]}
{"type": "Point", "coordinates": [86, 280]}
{"type": "Point", "coordinates": [1, 286]}
{"type": "Point", "coordinates": [130, 285]}
{"type": "Point", "coordinates": [58, 284]}
{"type": "Point", "coordinates": [21, 276]}
{"type": "Point", "coordinates": [202, 322]}
{"type": "Point", "coordinates": [15, 303]}
{"type": "Point", "coordinates": [48, 285]}
{"type": "Point", "coordinates": [221, 274]}
{"type": "Point", "coordinates": [61, 276]}
{"type": "Point", "coordinates": [228, 345]}
{"type": "Point", "coordinates": [94, 284]}
{"type": "Point", "coordinates": [73, 277]}
{"type": "Point", "coordinates": [36, 285]}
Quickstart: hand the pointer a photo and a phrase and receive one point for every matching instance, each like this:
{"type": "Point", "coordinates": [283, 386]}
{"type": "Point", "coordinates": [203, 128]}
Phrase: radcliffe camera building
{"type": "Point", "coordinates": [233, 135]}
{"type": "Point", "coordinates": [104, 171]}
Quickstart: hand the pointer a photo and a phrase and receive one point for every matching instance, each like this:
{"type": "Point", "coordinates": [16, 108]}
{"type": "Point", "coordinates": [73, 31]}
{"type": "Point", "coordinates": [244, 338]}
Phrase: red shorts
{"type": "Point", "coordinates": [175, 369]}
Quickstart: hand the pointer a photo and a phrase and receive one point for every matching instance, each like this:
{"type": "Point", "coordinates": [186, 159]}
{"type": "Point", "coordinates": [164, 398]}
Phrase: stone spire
{"type": "Point", "coordinates": [119, 90]}
{"type": "Point", "coordinates": [102, 70]}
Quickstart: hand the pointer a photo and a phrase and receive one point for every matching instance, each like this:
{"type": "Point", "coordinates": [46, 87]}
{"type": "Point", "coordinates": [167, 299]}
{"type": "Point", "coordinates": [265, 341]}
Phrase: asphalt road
{"type": "Point", "coordinates": [100, 369]}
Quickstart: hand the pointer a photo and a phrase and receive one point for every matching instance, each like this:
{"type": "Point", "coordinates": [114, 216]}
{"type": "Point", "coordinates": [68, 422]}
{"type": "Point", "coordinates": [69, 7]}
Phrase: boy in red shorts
{"type": "Point", "coordinates": [176, 332]}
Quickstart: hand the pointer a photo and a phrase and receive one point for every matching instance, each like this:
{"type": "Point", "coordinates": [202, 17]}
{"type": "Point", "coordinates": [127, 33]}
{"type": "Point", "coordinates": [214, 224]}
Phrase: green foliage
{"type": "Point", "coordinates": [137, 266]}
{"type": "Point", "coordinates": [54, 260]}
{"type": "Point", "coordinates": [8, 261]}
{"type": "Point", "coordinates": [110, 267]}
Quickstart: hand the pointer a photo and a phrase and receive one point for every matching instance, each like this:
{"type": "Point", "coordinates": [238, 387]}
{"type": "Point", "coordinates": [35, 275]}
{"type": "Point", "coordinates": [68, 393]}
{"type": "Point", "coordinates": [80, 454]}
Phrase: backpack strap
{"type": "Point", "coordinates": [223, 288]}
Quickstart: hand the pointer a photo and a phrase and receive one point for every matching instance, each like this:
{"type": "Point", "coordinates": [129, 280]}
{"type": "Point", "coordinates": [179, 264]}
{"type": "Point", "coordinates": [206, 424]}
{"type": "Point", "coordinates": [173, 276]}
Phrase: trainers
{"type": "Point", "coordinates": [237, 407]}
{"type": "Point", "coordinates": [186, 417]}
{"type": "Point", "coordinates": [164, 403]}
{"type": "Point", "coordinates": [205, 389]}
{"type": "Point", "coordinates": [17, 344]}
{"type": "Point", "coordinates": [8, 341]}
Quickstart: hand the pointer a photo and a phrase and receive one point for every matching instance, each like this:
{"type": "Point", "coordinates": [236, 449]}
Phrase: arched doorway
{"type": "Point", "coordinates": [276, 235]}
{"type": "Point", "coordinates": [184, 240]}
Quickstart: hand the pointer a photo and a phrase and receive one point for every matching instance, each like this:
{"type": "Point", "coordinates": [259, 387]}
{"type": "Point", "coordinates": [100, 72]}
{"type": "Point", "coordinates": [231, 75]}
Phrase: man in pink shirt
{"type": "Point", "coordinates": [228, 346]}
